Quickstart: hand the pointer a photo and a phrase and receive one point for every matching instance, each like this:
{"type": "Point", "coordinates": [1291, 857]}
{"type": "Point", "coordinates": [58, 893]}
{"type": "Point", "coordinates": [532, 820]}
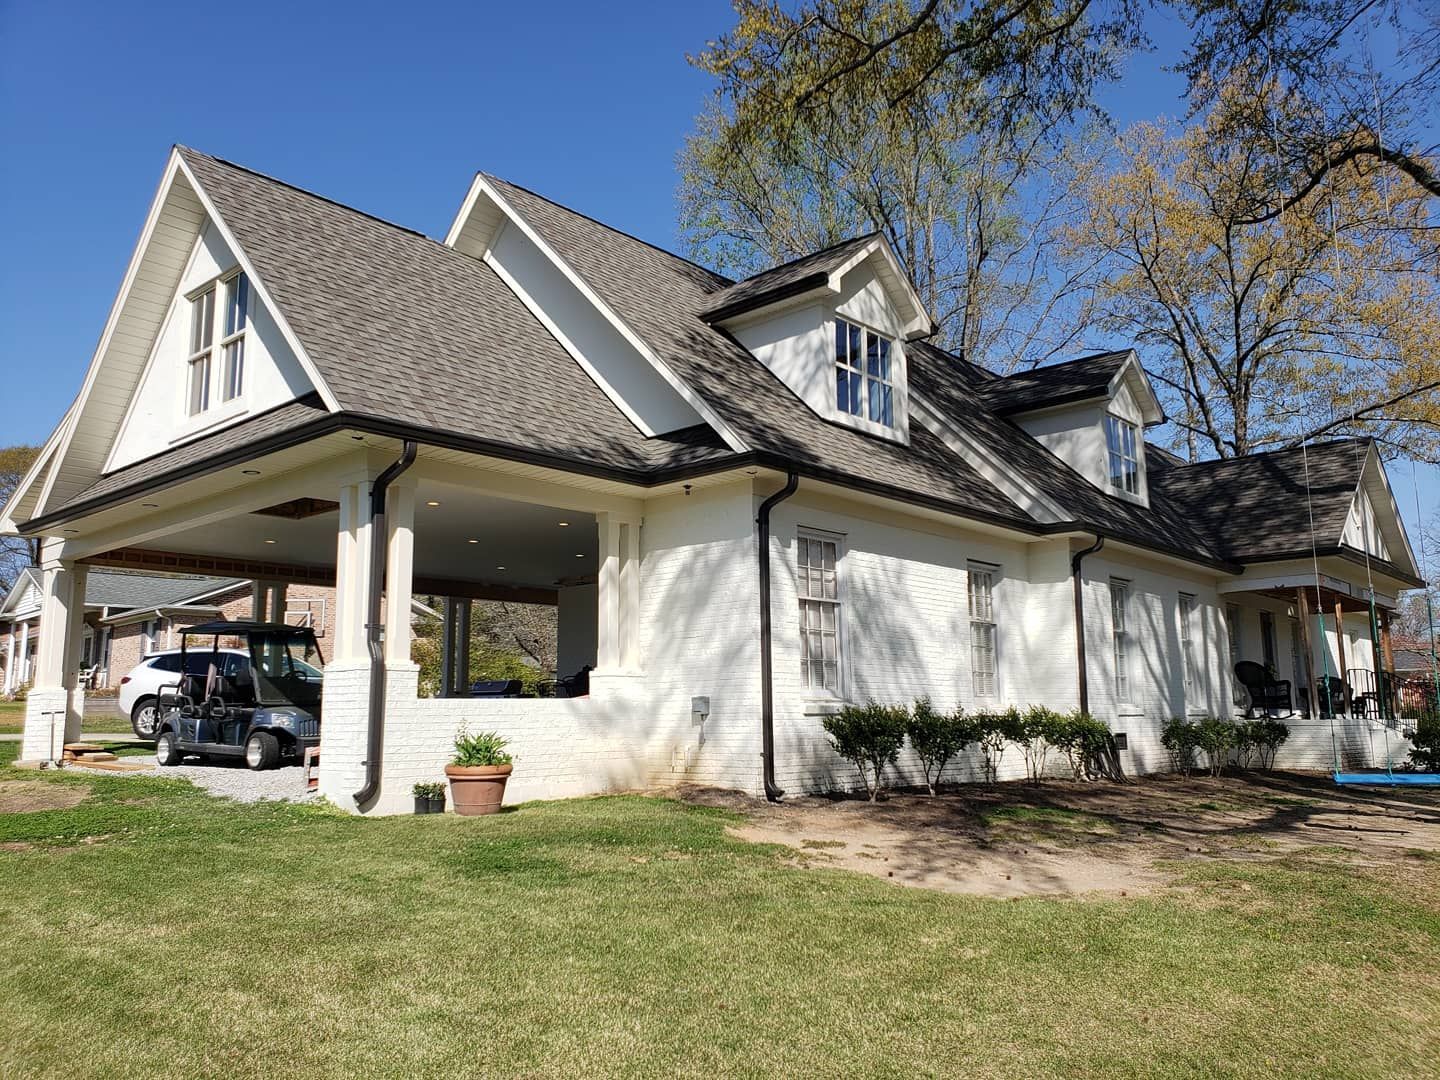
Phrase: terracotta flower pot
{"type": "Point", "coordinates": [477, 789]}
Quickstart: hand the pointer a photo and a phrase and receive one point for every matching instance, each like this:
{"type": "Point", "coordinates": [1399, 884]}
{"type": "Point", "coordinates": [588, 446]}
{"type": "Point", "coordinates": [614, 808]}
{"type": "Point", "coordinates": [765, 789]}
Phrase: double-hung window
{"type": "Point", "coordinates": [223, 380]}
{"type": "Point", "coordinates": [864, 376]}
{"type": "Point", "coordinates": [818, 586]}
{"type": "Point", "coordinates": [984, 669]}
{"type": "Point", "coordinates": [1120, 633]}
{"type": "Point", "coordinates": [1122, 450]}
{"type": "Point", "coordinates": [1187, 641]}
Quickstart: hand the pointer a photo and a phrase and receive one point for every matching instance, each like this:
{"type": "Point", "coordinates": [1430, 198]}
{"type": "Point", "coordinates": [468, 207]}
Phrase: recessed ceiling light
{"type": "Point", "coordinates": [580, 555]}
{"type": "Point", "coordinates": [431, 502]}
{"type": "Point", "coordinates": [358, 438]}
{"type": "Point", "coordinates": [562, 524]}
{"type": "Point", "coordinates": [472, 541]}
{"type": "Point", "coordinates": [72, 530]}
{"type": "Point", "coordinates": [250, 472]}
{"type": "Point", "coordinates": [269, 541]}
{"type": "Point", "coordinates": [499, 568]}
{"type": "Point", "coordinates": [150, 506]}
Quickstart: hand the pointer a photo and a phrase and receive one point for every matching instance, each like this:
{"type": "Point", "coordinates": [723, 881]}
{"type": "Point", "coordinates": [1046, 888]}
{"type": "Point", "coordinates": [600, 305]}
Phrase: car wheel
{"type": "Point", "coordinates": [167, 749]}
{"type": "Point", "coordinates": [262, 751]}
{"type": "Point", "coordinates": [143, 718]}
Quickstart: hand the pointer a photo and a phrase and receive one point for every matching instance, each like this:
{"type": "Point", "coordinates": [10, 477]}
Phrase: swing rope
{"type": "Point", "coordinates": [1366, 524]}
{"type": "Point", "coordinates": [1425, 573]}
{"type": "Point", "coordinates": [1320, 610]}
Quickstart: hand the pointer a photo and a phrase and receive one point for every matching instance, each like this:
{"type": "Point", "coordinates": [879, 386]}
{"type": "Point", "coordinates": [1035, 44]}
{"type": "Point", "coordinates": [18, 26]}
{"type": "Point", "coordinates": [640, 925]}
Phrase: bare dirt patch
{"type": "Point", "coordinates": [1101, 839]}
{"type": "Point", "coordinates": [25, 796]}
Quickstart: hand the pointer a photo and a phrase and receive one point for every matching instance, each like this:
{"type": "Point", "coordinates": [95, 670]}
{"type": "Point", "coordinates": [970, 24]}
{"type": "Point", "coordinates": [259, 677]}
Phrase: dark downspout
{"type": "Point", "coordinates": [1075, 561]}
{"type": "Point", "coordinates": [379, 549]}
{"type": "Point", "coordinates": [767, 689]}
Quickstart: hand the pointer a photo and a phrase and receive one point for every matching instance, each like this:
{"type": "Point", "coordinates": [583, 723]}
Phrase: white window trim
{"type": "Point", "coordinates": [973, 566]}
{"type": "Point", "coordinates": [1120, 633]}
{"type": "Point", "coordinates": [1118, 489]}
{"type": "Point", "coordinates": [899, 384]}
{"type": "Point", "coordinates": [217, 411]}
{"type": "Point", "coordinates": [1185, 609]}
{"type": "Point", "coordinates": [818, 695]}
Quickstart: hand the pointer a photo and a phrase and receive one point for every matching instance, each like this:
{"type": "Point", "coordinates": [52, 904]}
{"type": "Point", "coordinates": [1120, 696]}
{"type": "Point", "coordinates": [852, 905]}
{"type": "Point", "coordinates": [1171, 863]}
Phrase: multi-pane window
{"type": "Point", "coordinates": [1121, 444]}
{"type": "Point", "coordinates": [202, 340]}
{"type": "Point", "coordinates": [1267, 639]}
{"type": "Point", "coordinates": [1187, 641]}
{"type": "Point", "coordinates": [817, 583]}
{"type": "Point", "coordinates": [1120, 632]}
{"type": "Point", "coordinates": [234, 320]}
{"type": "Point", "coordinates": [983, 666]}
{"type": "Point", "coordinates": [864, 379]}
{"type": "Point", "coordinates": [1232, 641]}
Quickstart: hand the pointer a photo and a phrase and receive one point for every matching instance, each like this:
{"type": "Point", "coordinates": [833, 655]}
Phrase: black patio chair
{"type": "Point", "coordinates": [1333, 693]}
{"type": "Point", "coordinates": [1266, 693]}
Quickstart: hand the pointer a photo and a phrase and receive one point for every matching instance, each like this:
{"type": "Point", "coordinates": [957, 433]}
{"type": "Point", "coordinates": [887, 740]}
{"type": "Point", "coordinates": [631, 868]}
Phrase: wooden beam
{"type": "Point", "coordinates": [1311, 690]}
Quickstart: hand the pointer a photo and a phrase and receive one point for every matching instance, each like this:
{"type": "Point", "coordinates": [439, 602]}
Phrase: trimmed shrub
{"type": "Point", "coordinates": [1037, 730]}
{"type": "Point", "coordinates": [1425, 743]}
{"type": "Point", "coordinates": [1179, 736]}
{"type": "Point", "coordinates": [870, 737]}
{"type": "Point", "coordinates": [993, 731]}
{"type": "Point", "coordinates": [1083, 740]}
{"type": "Point", "coordinates": [937, 737]}
{"type": "Point", "coordinates": [1215, 736]}
{"type": "Point", "coordinates": [1258, 740]}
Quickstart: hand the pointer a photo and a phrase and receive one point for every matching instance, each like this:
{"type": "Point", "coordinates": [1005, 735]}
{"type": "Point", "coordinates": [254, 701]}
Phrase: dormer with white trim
{"type": "Point", "coordinates": [832, 327]}
{"type": "Point", "coordinates": [1091, 413]}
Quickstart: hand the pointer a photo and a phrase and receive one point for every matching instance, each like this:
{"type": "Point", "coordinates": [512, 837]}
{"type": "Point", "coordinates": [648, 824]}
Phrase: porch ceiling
{"type": "Point", "coordinates": [465, 537]}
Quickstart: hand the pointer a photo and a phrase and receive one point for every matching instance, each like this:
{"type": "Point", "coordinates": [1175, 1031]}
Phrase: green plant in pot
{"type": "Point", "coordinates": [429, 797]}
{"type": "Point", "coordinates": [478, 772]}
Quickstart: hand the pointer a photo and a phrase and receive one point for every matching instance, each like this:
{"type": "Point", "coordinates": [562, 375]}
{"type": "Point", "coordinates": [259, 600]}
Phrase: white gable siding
{"type": "Point", "coordinates": [1076, 435]}
{"type": "Point", "coordinates": [617, 367]}
{"type": "Point", "coordinates": [797, 343]}
{"type": "Point", "coordinates": [1361, 530]}
{"type": "Point", "coordinates": [157, 416]}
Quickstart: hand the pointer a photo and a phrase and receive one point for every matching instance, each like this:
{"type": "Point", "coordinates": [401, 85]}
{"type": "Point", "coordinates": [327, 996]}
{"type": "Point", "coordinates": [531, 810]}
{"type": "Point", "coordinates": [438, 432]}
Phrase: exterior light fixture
{"type": "Point", "coordinates": [579, 554]}
{"type": "Point", "coordinates": [562, 524]}
{"type": "Point", "coordinates": [72, 531]}
{"type": "Point", "coordinates": [472, 541]}
{"type": "Point", "coordinates": [431, 502]}
{"type": "Point", "coordinates": [269, 541]}
{"type": "Point", "coordinates": [250, 472]}
{"type": "Point", "coordinates": [151, 506]}
{"type": "Point", "coordinates": [499, 568]}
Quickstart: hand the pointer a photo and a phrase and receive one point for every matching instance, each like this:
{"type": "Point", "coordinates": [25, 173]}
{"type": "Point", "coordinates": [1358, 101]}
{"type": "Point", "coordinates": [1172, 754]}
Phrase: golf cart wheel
{"type": "Point", "coordinates": [262, 751]}
{"type": "Point", "coordinates": [144, 717]}
{"type": "Point", "coordinates": [167, 749]}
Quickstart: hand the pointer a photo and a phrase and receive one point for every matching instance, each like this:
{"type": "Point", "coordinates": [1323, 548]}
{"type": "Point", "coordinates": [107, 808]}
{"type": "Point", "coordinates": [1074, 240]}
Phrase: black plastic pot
{"type": "Point", "coordinates": [430, 806]}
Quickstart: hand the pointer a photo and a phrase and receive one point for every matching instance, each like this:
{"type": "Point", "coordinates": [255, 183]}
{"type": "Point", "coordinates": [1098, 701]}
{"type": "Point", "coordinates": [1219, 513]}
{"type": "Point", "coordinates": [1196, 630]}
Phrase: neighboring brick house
{"type": "Point", "coordinates": [128, 616]}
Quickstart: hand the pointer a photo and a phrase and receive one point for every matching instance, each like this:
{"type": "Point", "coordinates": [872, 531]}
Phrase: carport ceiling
{"type": "Point", "coordinates": [464, 537]}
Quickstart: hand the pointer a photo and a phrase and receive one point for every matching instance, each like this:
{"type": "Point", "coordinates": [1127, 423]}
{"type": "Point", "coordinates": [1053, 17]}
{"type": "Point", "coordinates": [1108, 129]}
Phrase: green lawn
{"type": "Point", "coordinates": [101, 717]}
{"type": "Point", "coordinates": [152, 930]}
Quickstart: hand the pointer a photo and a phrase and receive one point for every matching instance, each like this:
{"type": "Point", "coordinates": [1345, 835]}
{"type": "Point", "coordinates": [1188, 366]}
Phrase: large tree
{"type": "Point", "coordinates": [16, 553]}
{"type": "Point", "coordinates": [1324, 320]}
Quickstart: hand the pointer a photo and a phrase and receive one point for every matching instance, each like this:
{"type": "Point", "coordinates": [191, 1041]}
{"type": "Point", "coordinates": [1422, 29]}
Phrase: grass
{"type": "Point", "coordinates": [633, 936]}
{"type": "Point", "coordinates": [101, 717]}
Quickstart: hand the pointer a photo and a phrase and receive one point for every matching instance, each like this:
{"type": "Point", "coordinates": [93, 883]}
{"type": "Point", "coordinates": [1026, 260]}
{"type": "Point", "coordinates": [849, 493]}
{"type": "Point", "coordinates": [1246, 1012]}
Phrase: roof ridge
{"type": "Point", "coordinates": [811, 254]}
{"type": "Point", "coordinates": [306, 191]}
{"type": "Point", "coordinates": [727, 281]}
{"type": "Point", "coordinates": [1033, 368]}
{"type": "Point", "coordinates": [1237, 459]}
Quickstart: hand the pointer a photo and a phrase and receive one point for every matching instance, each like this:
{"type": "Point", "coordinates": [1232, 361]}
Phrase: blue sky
{"type": "Point", "coordinates": [586, 103]}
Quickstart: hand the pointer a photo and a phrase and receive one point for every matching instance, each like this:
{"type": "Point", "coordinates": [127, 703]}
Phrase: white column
{"type": "Point", "coordinates": [630, 596]}
{"type": "Point", "coordinates": [352, 573]}
{"type": "Point", "coordinates": [52, 716]}
{"type": "Point", "coordinates": [607, 643]}
{"type": "Point", "coordinates": [10, 658]}
{"type": "Point", "coordinates": [23, 675]}
{"type": "Point", "coordinates": [399, 570]}
{"type": "Point", "coordinates": [275, 601]}
{"type": "Point", "coordinates": [258, 596]}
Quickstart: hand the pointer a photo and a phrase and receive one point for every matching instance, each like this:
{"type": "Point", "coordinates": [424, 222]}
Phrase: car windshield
{"type": "Point", "coordinates": [288, 666]}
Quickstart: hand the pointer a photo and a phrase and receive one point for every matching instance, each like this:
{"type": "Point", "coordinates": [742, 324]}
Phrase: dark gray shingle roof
{"type": "Point", "coordinates": [1054, 384]}
{"type": "Point", "coordinates": [127, 592]}
{"type": "Point", "coordinates": [784, 280]}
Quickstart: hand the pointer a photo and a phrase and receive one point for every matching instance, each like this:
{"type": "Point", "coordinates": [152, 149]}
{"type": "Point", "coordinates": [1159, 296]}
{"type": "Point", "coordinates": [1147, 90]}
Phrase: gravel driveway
{"type": "Point", "coordinates": [234, 781]}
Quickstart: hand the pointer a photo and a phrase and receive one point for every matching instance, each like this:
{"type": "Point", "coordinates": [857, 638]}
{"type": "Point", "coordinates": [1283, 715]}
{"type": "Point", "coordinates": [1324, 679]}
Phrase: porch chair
{"type": "Point", "coordinates": [1265, 692]}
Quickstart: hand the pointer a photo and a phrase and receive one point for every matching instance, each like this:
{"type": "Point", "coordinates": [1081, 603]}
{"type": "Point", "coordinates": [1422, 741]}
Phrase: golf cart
{"type": "Point", "coordinates": [257, 698]}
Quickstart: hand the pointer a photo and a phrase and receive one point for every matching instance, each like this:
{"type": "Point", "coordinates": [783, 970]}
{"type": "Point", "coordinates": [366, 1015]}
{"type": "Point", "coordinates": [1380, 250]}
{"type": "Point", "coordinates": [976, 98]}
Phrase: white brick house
{"type": "Point", "coordinates": [546, 409]}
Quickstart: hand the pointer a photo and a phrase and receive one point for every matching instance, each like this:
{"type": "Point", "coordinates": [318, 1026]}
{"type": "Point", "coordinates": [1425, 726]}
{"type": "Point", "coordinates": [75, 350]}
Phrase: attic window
{"type": "Point", "coordinates": [1121, 441]}
{"type": "Point", "coordinates": [228, 325]}
{"type": "Point", "coordinates": [864, 383]}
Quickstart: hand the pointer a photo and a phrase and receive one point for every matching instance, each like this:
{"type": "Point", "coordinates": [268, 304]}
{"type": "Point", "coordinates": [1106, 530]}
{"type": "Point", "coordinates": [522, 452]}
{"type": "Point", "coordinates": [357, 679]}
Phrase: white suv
{"type": "Point", "coordinates": [138, 690]}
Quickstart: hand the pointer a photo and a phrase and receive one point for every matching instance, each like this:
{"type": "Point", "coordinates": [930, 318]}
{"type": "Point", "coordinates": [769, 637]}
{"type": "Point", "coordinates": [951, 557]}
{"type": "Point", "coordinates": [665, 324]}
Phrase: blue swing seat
{"type": "Point", "coordinates": [1389, 779]}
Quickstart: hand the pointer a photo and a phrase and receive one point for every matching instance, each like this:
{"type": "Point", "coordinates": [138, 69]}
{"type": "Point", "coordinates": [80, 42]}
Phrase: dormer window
{"type": "Point", "coordinates": [227, 324]}
{"type": "Point", "coordinates": [864, 384]}
{"type": "Point", "coordinates": [1121, 444]}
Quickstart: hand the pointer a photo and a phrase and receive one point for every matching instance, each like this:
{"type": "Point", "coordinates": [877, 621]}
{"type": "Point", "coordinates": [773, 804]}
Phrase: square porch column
{"type": "Point", "coordinates": [618, 601]}
{"type": "Point", "coordinates": [55, 704]}
{"type": "Point", "coordinates": [9, 658]}
{"type": "Point", "coordinates": [399, 571]}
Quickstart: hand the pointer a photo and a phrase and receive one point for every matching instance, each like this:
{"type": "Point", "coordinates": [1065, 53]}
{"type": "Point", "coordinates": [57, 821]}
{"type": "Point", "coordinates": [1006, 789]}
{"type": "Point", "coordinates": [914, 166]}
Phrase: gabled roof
{"type": "Point", "coordinates": [1088, 378]}
{"type": "Point", "coordinates": [129, 592]}
{"type": "Point", "coordinates": [28, 577]}
{"type": "Point", "coordinates": [1262, 506]}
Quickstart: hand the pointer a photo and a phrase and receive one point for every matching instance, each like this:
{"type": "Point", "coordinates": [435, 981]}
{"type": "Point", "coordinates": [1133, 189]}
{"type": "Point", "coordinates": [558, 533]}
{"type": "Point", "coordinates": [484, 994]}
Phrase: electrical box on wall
{"type": "Point", "coordinates": [1122, 741]}
{"type": "Point", "coordinates": [700, 706]}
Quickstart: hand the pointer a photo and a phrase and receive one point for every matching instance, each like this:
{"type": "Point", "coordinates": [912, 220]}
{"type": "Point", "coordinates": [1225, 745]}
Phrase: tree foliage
{"type": "Point", "coordinates": [16, 552]}
{"type": "Point", "coordinates": [1322, 321]}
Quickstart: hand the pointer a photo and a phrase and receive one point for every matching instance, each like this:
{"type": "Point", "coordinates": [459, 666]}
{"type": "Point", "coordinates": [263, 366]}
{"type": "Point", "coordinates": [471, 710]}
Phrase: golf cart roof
{"type": "Point", "coordinates": [239, 628]}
